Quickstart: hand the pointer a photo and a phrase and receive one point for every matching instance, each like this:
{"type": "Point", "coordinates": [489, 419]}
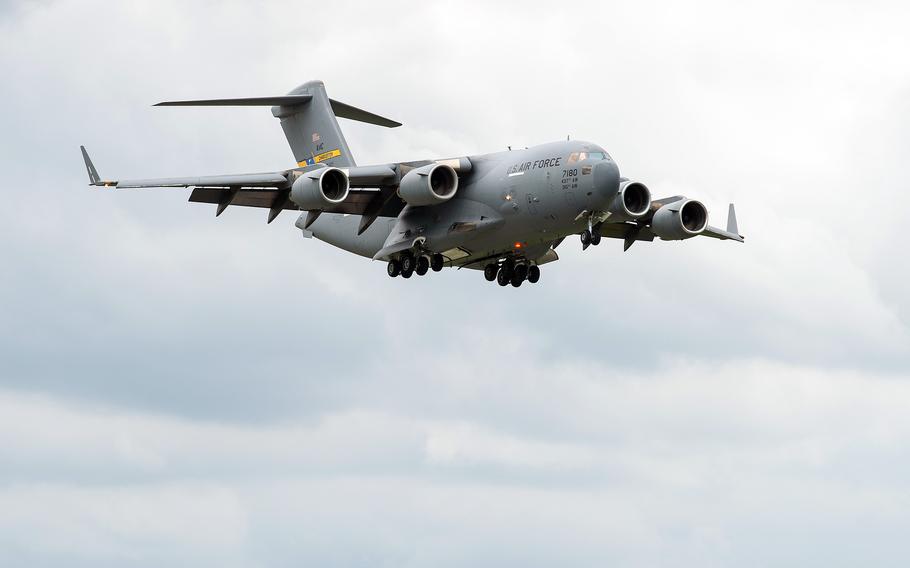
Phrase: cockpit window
{"type": "Point", "coordinates": [582, 156]}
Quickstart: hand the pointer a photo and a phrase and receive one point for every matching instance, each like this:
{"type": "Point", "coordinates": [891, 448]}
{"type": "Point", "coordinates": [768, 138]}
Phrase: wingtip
{"type": "Point", "coordinates": [93, 177]}
{"type": "Point", "coordinates": [732, 226]}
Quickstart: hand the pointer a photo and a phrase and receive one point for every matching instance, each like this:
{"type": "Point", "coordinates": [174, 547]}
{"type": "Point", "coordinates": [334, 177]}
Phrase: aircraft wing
{"type": "Point", "coordinates": [371, 193]}
{"type": "Point", "coordinates": [732, 231]}
{"type": "Point", "coordinates": [640, 230]}
{"type": "Point", "coordinates": [271, 179]}
{"type": "Point", "coordinates": [275, 180]}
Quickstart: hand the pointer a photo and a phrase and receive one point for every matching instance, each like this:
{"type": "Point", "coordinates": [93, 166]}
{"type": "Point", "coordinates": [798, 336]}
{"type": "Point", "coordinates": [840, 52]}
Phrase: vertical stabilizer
{"type": "Point", "coordinates": [312, 130]}
{"type": "Point", "coordinates": [308, 118]}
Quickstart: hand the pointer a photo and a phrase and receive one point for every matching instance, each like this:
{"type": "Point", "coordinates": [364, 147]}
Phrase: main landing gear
{"type": "Point", "coordinates": [510, 272]}
{"type": "Point", "coordinates": [407, 264]}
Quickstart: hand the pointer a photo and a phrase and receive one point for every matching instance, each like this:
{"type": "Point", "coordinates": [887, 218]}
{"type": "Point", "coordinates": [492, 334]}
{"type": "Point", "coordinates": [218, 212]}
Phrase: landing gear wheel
{"type": "Point", "coordinates": [407, 262]}
{"type": "Point", "coordinates": [394, 268]}
{"type": "Point", "coordinates": [436, 262]}
{"type": "Point", "coordinates": [521, 271]}
{"type": "Point", "coordinates": [595, 237]}
{"type": "Point", "coordinates": [407, 265]}
{"type": "Point", "coordinates": [489, 272]}
{"type": "Point", "coordinates": [585, 238]}
{"type": "Point", "coordinates": [533, 274]}
{"type": "Point", "coordinates": [422, 265]}
{"type": "Point", "coordinates": [503, 276]}
{"type": "Point", "coordinates": [517, 279]}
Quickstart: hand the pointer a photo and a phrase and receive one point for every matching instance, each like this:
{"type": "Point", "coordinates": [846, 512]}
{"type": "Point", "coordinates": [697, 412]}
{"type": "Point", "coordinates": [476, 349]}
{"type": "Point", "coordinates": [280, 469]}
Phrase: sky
{"type": "Point", "coordinates": [180, 389]}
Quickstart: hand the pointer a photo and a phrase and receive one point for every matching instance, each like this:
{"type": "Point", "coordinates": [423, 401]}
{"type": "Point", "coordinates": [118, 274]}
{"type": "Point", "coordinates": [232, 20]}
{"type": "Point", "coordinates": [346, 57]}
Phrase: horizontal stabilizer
{"type": "Point", "coordinates": [343, 110]}
{"type": "Point", "coordinates": [286, 100]}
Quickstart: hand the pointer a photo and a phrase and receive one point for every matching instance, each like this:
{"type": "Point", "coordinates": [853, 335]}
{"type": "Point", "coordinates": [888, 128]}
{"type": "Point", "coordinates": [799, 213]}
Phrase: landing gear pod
{"type": "Point", "coordinates": [320, 189]}
{"type": "Point", "coordinates": [429, 185]}
{"type": "Point", "coordinates": [680, 220]}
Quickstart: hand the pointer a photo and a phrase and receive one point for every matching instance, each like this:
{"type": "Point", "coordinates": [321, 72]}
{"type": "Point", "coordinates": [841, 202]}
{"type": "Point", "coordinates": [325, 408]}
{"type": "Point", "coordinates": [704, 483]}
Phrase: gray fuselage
{"type": "Point", "coordinates": [514, 203]}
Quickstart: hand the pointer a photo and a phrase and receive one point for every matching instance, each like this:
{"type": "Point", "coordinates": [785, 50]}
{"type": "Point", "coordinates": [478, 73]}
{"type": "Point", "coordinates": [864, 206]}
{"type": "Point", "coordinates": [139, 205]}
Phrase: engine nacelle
{"type": "Point", "coordinates": [429, 185]}
{"type": "Point", "coordinates": [633, 200]}
{"type": "Point", "coordinates": [320, 189]}
{"type": "Point", "coordinates": [680, 220]}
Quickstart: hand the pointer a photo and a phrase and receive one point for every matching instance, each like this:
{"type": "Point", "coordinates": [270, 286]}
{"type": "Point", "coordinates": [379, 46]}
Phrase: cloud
{"type": "Point", "coordinates": [177, 389]}
{"type": "Point", "coordinates": [708, 463]}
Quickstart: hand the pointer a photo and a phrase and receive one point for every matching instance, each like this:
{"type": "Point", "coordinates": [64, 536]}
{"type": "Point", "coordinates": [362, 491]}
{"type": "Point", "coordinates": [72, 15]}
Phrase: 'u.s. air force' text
{"type": "Point", "coordinates": [536, 164]}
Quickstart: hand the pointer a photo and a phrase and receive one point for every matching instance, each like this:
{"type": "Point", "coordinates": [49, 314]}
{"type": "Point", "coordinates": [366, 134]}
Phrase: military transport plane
{"type": "Point", "coordinates": [504, 213]}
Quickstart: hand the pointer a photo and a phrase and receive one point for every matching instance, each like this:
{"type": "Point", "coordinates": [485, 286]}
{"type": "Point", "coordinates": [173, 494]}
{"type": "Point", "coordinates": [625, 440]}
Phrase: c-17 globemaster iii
{"type": "Point", "coordinates": [504, 213]}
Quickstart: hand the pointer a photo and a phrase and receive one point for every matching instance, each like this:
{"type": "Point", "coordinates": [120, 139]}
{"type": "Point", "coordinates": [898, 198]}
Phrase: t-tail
{"type": "Point", "coordinates": [308, 118]}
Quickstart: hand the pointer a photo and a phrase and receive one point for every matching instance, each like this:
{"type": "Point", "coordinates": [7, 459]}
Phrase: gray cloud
{"type": "Point", "coordinates": [180, 389]}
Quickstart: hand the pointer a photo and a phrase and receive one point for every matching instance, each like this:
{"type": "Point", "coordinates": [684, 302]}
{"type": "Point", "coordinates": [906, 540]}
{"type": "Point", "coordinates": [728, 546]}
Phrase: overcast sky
{"type": "Point", "coordinates": [177, 389]}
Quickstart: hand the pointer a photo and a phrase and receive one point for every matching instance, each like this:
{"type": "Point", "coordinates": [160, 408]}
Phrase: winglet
{"type": "Point", "coordinates": [93, 177]}
{"type": "Point", "coordinates": [732, 231]}
{"type": "Point", "coordinates": [731, 221]}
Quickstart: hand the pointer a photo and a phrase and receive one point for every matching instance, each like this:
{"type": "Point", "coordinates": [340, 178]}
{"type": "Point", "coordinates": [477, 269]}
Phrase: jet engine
{"type": "Point", "coordinates": [320, 189]}
{"type": "Point", "coordinates": [680, 220]}
{"type": "Point", "coordinates": [633, 200]}
{"type": "Point", "coordinates": [429, 185]}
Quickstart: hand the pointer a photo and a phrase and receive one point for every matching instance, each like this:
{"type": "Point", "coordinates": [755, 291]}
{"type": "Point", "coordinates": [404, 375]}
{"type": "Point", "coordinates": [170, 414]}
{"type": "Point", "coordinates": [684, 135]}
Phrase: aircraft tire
{"type": "Point", "coordinates": [436, 262]}
{"type": "Point", "coordinates": [489, 272]}
{"type": "Point", "coordinates": [585, 238]}
{"type": "Point", "coordinates": [517, 279]}
{"type": "Point", "coordinates": [595, 238]}
{"type": "Point", "coordinates": [394, 268]}
{"type": "Point", "coordinates": [407, 262]}
{"type": "Point", "coordinates": [521, 271]}
{"type": "Point", "coordinates": [422, 266]}
{"type": "Point", "coordinates": [533, 274]}
{"type": "Point", "coordinates": [503, 277]}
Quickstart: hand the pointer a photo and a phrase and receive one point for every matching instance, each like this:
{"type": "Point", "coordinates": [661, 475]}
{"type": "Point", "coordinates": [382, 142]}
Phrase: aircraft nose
{"type": "Point", "coordinates": [606, 179]}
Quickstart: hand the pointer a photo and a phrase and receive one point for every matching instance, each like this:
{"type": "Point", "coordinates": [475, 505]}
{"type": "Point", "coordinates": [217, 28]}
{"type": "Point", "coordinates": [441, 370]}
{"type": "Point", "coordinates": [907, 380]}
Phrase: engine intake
{"type": "Point", "coordinates": [429, 185]}
{"type": "Point", "coordinates": [680, 220]}
{"type": "Point", "coordinates": [633, 200]}
{"type": "Point", "coordinates": [320, 189]}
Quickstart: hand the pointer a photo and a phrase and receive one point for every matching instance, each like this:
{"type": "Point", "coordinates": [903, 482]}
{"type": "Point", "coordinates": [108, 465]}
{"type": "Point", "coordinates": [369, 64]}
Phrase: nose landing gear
{"type": "Point", "coordinates": [590, 237]}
